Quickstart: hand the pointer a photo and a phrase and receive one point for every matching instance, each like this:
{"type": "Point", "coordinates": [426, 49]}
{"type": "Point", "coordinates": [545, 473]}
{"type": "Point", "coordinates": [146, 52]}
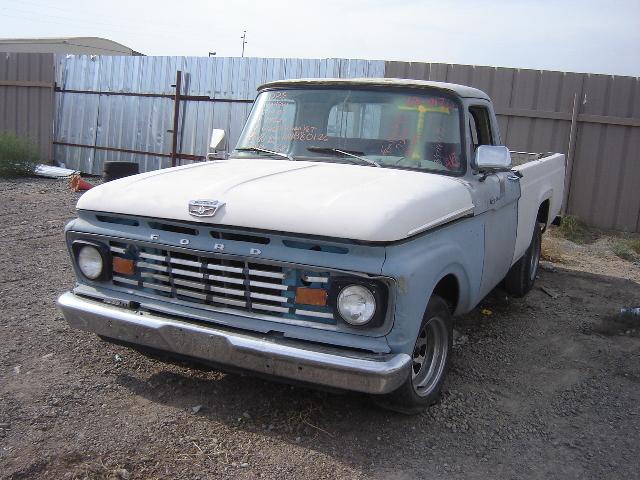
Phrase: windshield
{"type": "Point", "coordinates": [369, 127]}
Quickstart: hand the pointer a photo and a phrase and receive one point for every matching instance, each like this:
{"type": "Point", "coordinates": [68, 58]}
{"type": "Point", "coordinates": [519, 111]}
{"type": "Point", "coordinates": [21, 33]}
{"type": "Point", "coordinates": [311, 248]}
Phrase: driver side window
{"type": "Point", "coordinates": [480, 127]}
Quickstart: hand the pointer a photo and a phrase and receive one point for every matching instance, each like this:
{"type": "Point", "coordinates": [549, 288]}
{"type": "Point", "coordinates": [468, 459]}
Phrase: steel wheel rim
{"type": "Point", "coordinates": [429, 356]}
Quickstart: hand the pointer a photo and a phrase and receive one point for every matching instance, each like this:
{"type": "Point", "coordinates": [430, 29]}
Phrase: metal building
{"type": "Point", "coordinates": [70, 45]}
{"type": "Point", "coordinates": [27, 83]}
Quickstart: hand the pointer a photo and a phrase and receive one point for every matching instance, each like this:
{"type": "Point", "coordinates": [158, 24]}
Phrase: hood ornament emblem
{"type": "Point", "coordinates": [204, 208]}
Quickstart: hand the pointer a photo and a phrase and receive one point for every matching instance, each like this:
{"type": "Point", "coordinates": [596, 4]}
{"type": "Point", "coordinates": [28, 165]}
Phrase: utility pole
{"type": "Point", "coordinates": [244, 40]}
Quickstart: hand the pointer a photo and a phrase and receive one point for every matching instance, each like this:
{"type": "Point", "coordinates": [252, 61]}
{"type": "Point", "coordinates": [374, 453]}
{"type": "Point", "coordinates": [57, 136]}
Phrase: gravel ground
{"type": "Point", "coordinates": [542, 387]}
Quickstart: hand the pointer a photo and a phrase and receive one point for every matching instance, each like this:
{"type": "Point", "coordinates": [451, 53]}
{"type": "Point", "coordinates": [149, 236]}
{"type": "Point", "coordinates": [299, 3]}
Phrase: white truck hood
{"type": "Point", "coordinates": [326, 199]}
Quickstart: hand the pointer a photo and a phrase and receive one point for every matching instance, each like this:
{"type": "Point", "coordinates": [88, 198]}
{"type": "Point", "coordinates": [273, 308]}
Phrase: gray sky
{"type": "Point", "coordinates": [568, 35]}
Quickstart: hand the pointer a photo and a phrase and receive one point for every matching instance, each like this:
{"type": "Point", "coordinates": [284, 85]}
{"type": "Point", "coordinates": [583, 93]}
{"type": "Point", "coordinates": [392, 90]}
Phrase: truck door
{"type": "Point", "coordinates": [496, 200]}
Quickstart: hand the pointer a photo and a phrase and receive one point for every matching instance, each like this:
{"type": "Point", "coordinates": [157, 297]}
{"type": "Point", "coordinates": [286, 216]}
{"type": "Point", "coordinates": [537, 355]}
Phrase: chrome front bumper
{"type": "Point", "coordinates": [376, 374]}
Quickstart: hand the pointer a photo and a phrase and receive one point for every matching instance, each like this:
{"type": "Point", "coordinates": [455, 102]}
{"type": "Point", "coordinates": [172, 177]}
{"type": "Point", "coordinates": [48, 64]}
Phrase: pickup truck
{"type": "Point", "coordinates": [332, 247]}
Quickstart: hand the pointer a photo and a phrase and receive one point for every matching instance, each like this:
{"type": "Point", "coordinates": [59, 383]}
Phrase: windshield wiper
{"type": "Point", "coordinates": [264, 150]}
{"type": "Point", "coordinates": [348, 153]}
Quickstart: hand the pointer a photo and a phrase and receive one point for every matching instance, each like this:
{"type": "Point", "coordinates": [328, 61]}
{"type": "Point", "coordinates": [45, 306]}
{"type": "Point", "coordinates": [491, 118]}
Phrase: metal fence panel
{"type": "Point", "coordinates": [142, 123]}
{"type": "Point", "coordinates": [606, 172]}
{"type": "Point", "coordinates": [535, 114]}
{"type": "Point", "coordinates": [26, 98]}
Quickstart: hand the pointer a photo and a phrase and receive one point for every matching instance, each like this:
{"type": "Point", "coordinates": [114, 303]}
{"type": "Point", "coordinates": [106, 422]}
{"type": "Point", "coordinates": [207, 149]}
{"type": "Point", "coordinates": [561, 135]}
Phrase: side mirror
{"type": "Point", "coordinates": [490, 157]}
{"type": "Point", "coordinates": [217, 136]}
{"type": "Point", "coordinates": [217, 139]}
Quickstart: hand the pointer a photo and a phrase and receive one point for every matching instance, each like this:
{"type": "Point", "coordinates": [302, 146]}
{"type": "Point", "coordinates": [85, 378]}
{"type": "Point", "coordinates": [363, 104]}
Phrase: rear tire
{"type": "Point", "coordinates": [430, 362]}
{"type": "Point", "coordinates": [522, 275]}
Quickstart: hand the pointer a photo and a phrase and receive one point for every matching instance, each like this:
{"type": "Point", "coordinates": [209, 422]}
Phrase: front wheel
{"type": "Point", "coordinates": [523, 273]}
{"type": "Point", "coordinates": [430, 362]}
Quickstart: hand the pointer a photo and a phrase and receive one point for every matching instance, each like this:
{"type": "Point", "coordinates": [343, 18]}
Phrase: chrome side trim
{"type": "Point", "coordinates": [332, 367]}
{"type": "Point", "coordinates": [441, 221]}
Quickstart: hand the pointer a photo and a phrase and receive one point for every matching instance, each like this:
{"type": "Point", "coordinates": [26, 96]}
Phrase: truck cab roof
{"type": "Point", "coordinates": [459, 90]}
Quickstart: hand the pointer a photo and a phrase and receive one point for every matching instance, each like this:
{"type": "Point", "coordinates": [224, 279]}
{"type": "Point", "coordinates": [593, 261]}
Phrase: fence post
{"type": "Point", "coordinates": [176, 117]}
{"type": "Point", "coordinates": [571, 150]}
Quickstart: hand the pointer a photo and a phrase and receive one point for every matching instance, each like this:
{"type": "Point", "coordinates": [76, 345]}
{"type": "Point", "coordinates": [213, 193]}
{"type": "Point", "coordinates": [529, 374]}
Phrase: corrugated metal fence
{"type": "Point", "coordinates": [539, 111]}
{"type": "Point", "coordinates": [122, 108]}
{"type": "Point", "coordinates": [26, 98]}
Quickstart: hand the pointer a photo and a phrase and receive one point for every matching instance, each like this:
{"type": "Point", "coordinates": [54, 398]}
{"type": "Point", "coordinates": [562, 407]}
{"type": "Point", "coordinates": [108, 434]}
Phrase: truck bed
{"type": "Point", "coordinates": [520, 158]}
{"type": "Point", "coordinates": [542, 179]}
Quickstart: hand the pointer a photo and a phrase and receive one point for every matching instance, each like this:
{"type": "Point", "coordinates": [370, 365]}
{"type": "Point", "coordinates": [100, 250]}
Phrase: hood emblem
{"type": "Point", "coordinates": [204, 208]}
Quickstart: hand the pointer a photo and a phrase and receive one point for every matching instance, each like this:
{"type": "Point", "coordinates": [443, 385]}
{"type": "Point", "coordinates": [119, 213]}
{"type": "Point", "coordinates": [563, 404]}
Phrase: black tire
{"type": "Point", "coordinates": [424, 383]}
{"type": "Point", "coordinates": [523, 273]}
{"type": "Point", "coordinates": [115, 170]}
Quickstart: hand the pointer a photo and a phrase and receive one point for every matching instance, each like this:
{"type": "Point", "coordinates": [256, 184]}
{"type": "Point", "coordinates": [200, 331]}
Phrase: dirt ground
{"type": "Point", "coordinates": [542, 387]}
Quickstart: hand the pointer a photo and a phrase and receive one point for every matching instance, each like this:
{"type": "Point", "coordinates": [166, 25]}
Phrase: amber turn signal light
{"type": "Point", "coordinates": [311, 296]}
{"type": "Point", "coordinates": [123, 266]}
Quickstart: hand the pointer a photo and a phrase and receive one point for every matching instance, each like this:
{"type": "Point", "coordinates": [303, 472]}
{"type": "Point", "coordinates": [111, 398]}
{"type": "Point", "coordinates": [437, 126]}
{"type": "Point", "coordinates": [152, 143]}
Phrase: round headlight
{"type": "Point", "coordinates": [90, 262]}
{"type": "Point", "coordinates": [356, 304]}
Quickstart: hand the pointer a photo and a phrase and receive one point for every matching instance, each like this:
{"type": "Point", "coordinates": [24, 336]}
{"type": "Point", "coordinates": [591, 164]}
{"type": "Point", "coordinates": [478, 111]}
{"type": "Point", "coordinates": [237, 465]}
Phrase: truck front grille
{"type": "Point", "coordinates": [217, 281]}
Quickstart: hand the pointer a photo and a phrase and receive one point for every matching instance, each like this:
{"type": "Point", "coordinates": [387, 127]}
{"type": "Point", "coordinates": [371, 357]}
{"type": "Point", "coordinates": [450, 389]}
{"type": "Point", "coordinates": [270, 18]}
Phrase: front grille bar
{"type": "Point", "coordinates": [247, 283]}
{"type": "Point", "coordinates": [222, 268]}
{"type": "Point", "coordinates": [209, 281]}
{"type": "Point", "coordinates": [169, 273]}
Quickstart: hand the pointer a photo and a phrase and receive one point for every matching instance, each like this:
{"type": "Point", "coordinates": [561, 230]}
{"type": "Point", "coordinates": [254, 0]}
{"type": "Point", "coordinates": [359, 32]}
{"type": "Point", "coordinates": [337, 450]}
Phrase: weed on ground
{"type": "Point", "coordinates": [18, 156]}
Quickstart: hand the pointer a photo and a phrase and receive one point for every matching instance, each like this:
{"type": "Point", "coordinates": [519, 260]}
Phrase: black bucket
{"type": "Point", "coordinates": [115, 170]}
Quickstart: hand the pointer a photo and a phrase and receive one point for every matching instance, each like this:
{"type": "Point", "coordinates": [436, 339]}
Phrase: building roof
{"type": "Point", "coordinates": [459, 90]}
{"type": "Point", "coordinates": [79, 45]}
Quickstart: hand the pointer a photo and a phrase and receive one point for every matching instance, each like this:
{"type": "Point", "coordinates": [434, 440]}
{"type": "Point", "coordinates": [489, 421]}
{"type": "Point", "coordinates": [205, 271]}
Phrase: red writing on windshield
{"type": "Point", "coordinates": [414, 102]}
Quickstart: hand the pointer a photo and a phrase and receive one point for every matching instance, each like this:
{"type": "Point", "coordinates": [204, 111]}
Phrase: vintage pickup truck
{"type": "Point", "coordinates": [332, 247]}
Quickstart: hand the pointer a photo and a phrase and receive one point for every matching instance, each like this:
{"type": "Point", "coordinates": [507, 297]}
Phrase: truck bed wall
{"type": "Point", "coordinates": [541, 180]}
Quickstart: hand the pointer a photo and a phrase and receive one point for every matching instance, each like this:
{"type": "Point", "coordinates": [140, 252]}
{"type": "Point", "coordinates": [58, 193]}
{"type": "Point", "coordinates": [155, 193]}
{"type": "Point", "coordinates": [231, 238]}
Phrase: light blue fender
{"type": "Point", "coordinates": [420, 263]}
